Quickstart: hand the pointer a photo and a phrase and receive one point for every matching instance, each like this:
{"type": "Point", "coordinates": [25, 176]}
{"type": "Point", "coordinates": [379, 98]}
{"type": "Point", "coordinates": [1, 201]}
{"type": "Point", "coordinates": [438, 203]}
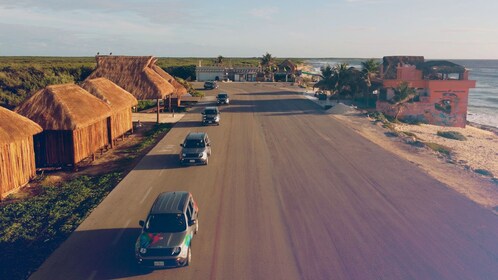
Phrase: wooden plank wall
{"type": "Point", "coordinates": [121, 122]}
{"type": "Point", "coordinates": [90, 139]}
{"type": "Point", "coordinates": [54, 148]}
{"type": "Point", "coordinates": [17, 165]}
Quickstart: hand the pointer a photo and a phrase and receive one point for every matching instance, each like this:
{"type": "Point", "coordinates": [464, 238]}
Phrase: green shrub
{"type": "Point", "coordinates": [30, 229]}
{"type": "Point", "coordinates": [439, 148]}
{"type": "Point", "coordinates": [455, 135]}
{"type": "Point", "coordinates": [196, 93]}
{"type": "Point", "coordinates": [484, 172]}
{"type": "Point", "coordinates": [145, 104]}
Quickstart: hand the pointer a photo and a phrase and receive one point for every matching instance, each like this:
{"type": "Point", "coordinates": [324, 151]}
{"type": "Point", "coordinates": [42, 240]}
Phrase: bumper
{"type": "Point", "coordinates": [193, 161]}
{"type": "Point", "coordinates": [207, 122]}
{"type": "Point", "coordinates": [161, 263]}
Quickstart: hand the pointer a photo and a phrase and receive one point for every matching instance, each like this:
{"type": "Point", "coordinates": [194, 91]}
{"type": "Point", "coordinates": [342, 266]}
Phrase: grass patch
{"type": "Point", "coordinates": [455, 135]}
{"type": "Point", "coordinates": [145, 104]}
{"type": "Point", "coordinates": [484, 172]}
{"type": "Point", "coordinates": [31, 229]}
{"type": "Point", "coordinates": [150, 137]}
{"type": "Point", "coordinates": [439, 148]}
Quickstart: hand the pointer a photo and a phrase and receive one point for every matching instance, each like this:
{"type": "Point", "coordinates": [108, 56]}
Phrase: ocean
{"type": "Point", "coordinates": [483, 99]}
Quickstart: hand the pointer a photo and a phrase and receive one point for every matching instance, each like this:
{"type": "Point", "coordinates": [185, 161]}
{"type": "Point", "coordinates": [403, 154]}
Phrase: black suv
{"type": "Point", "coordinates": [210, 85]}
{"type": "Point", "coordinates": [211, 115]}
{"type": "Point", "coordinates": [167, 233]}
{"type": "Point", "coordinates": [222, 98]}
{"type": "Point", "coordinates": [195, 149]}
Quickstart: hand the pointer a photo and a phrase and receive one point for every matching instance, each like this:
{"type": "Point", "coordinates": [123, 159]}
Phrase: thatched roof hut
{"type": "Point", "coordinates": [135, 74]}
{"type": "Point", "coordinates": [17, 156]}
{"type": "Point", "coordinates": [75, 124]}
{"type": "Point", "coordinates": [120, 101]}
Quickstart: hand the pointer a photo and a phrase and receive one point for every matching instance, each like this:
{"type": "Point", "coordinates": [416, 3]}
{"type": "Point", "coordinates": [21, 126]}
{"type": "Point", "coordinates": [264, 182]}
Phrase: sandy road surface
{"type": "Point", "coordinates": [289, 193]}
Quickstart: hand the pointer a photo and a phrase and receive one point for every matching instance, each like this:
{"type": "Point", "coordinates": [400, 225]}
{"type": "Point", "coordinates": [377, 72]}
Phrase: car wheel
{"type": "Point", "coordinates": [189, 257]}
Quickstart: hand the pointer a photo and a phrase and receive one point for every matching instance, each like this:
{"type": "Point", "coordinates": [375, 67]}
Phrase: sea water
{"type": "Point", "coordinates": [483, 99]}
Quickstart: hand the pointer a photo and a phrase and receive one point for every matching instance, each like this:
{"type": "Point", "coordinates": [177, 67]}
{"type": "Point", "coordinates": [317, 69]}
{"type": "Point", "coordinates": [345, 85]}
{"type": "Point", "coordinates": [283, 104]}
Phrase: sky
{"type": "Point", "coordinates": [452, 29]}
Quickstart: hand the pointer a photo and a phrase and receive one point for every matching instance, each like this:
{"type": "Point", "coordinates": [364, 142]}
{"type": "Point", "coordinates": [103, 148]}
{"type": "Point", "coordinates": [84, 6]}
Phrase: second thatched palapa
{"type": "Point", "coordinates": [120, 101]}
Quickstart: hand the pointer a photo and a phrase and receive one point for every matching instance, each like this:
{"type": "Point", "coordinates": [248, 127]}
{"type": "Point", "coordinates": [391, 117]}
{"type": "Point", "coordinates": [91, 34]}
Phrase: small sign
{"type": "Point", "coordinates": [158, 263]}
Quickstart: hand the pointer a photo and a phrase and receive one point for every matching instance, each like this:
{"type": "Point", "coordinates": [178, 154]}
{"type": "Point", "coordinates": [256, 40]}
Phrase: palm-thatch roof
{"type": "Point", "coordinates": [116, 97]}
{"type": "Point", "coordinates": [135, 74]}
{"type": "Point", "coordinates": [179, 88]}
{"type": "Point", "coordinates": [64, 107]}
{"type": "Point", "coordinates": [441, 66]}
{"type": "Point", "coordinates": [15, 127]}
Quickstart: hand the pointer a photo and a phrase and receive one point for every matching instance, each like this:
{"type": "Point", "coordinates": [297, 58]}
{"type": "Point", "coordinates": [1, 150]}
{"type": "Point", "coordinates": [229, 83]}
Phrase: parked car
{"type": "Point", "coordinates": [210, 85]}
{"type": "Point", "coordinates": [196, 149]}
{"type": "Point", "coordinates": [223, 98]}
{"type": "Point", "coordinates": [167, 232]}
{"type": "Point", "coordinates": [210, 115]}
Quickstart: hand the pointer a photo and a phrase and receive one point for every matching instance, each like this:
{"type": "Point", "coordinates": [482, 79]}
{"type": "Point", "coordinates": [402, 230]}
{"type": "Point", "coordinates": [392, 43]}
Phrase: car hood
{"type": "Point", "coordinates": [161, 240]}
{"type": "Point", "coordinates": [193, 150]}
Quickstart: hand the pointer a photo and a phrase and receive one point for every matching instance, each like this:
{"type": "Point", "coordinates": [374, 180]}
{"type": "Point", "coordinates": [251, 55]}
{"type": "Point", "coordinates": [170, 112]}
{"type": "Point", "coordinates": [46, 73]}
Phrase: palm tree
{"type": "Point", "coordinates": [268, 64]}
{"type": "Point", "coordinates": [402, 94]}
{"type": "Point", "coordinates": [370, 69]}
{"type": "Point", "coordinates": [219, 60]}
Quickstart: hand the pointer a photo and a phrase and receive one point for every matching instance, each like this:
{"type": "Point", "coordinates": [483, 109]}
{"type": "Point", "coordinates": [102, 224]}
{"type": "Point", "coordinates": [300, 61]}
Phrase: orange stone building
{"type": "Point", "coordinates": [442, 90]}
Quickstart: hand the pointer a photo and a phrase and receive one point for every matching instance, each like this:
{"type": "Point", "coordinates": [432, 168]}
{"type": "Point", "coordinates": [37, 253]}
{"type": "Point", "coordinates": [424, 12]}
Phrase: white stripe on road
{"type": "Point", "coordinates": [145, 196]}
{"type": "Point", "coordinates": [116, 239]}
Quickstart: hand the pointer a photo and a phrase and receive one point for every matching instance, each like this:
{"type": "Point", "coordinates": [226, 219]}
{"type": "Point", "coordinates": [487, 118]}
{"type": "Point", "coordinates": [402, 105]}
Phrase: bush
{"type": "Point", "coordinates": [145, 104]}
{"type": "Point", "coordinates": [31, 229]}
{"type": "Point", "coordinates": [455, 135]}
{"type": "Point", "coordinates": [484, 172]}
{"type": "Point", "coordinates": [439, 148]}
{"type": "Point", "coordinates": [197, 93]}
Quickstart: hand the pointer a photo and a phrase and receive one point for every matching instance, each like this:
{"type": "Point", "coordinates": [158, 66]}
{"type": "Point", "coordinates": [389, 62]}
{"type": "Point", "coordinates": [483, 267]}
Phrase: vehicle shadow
{"type": "Point", "coordinates": [158, 162]}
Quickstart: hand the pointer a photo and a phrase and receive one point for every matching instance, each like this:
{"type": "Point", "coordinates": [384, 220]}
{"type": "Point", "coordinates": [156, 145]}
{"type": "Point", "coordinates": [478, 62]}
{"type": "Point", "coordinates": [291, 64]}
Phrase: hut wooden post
{"type": "Point", "coordinates": [158, 110]}
{"type": "Point", "coordinates": [169, 98]}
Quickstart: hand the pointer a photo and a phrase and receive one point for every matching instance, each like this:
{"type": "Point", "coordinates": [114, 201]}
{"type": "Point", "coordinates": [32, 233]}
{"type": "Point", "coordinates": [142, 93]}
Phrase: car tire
{"type": "Point", "coordinates": [189, 257]}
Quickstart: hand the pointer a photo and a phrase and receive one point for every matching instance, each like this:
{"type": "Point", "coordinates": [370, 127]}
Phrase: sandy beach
{"type": "Point", "coordinates": [457, 171]}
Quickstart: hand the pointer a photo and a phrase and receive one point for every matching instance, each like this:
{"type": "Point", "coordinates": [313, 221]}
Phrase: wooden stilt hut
{"type": "Point", "coordinates": [134, 74]}
{"type": "Point", "coordinates": [75, 124]}
{"type": "Point", "coordinates": [17, 156]}
{"type": "Point", "coordinates": [120, 101]}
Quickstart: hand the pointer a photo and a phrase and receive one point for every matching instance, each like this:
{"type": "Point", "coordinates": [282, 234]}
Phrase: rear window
{"type": "Point", "coordinates": [166, 223]}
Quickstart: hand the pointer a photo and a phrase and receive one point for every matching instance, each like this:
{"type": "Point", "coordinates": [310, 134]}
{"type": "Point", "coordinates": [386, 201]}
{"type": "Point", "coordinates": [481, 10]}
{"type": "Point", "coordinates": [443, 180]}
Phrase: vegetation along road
{"type": "Point", "coordinates": [289, 193]}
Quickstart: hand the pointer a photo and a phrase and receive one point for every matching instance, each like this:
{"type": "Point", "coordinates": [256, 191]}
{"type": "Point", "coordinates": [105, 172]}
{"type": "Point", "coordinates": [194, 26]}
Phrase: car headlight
{"type": "Point", "coordinates": [201, 154]}
{"type": "Point", "coordinates": [143, 250]}
{"type": "Point", "coordinates": [184, 155]}
{"type": "Point", "coordinates": [176, 251]}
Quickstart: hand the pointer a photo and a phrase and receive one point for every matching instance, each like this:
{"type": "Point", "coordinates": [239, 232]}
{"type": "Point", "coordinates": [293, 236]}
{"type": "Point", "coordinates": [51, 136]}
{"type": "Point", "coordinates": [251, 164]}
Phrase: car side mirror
{"type": "Point", "coordinates": [203, 113]}
{"type": "Point", "coordinates": [181, 145]}
{"type": "Point", "coordinates": [208, 144]}
{"type": "Point", "coordinates": [141, 223]}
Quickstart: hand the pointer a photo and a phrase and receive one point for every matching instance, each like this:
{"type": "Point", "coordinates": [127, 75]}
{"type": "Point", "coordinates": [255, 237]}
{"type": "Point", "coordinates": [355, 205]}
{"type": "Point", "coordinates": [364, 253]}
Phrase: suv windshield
{"type": "Point", "coordinates": [210, 112]}
{"type": "Point", "coordinates": [166, 223]}
{"type": "Point", "coordinates": [194, 143]}
{"type": "Point", "coordinates": [222, 95]}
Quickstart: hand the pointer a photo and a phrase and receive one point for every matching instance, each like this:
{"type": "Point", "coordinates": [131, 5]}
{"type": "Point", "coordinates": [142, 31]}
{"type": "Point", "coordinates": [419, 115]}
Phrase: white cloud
{"type": "Point", "coordinates": [264, 13]}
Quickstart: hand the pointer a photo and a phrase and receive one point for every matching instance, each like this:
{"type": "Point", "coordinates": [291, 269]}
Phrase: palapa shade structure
{"type": "Point", "coordinates": [17, 156]}
{"type": "Point", "coordinates": [75, 123]}
{"type": "Point", "coordinates": [179, 88]}
{"type": "Point", "coordinates": [135, 74]}
{"type": "Point", "coordinates": [120, 101]}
